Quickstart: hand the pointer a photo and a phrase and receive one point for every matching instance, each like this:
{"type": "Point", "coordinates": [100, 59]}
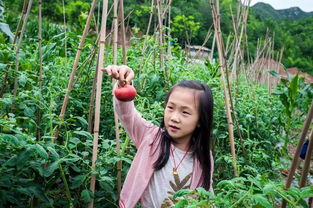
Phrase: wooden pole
{"type": "Point", "coordinates": [144, 43]}
{"type": "Point", "coordinates": [295, 160]}
{"type": "Point", "coordinates": [121, 12]}
{"type": "Point", "coordinates": [18, 51]}
{"type": "Point", "coordinates": [65, 32]}
{"type": "Point", "coordinates": [221, 52]}
{"type": "Point", "coordinates": [40, 64]}
{"type": "Point", "coordinates": [92, 98]}
{"type": "Point", "coordinates": [118, 144]}
{"type": "Point", "coordinates": [213, 46]}
{"type": "Point", "coordinates": [98, 98]}
{"type": "Point", "coordinates": [117, 133]}
{"type": "Point", "coordinates": [74, 69]}
{"type": "Point", "coordinates": [169, 47]}
{"type": "Point", "coordinates": [307, 161]}
{"type": "Point", "coordinates": [161, 50]}
{"type": "Point", "coordinates": [24, 10]}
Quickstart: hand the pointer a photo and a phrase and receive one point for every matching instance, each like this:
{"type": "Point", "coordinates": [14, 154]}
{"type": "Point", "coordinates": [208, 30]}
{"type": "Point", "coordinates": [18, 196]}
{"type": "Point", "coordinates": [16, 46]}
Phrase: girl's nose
{"type": "Point", "coordinates": [175, 117]}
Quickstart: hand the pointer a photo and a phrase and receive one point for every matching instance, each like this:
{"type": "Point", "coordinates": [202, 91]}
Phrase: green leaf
{"type": "Point", "coordinates": [41, 151]}
{"type": "Point", "coordinates": [307, 192]}
{"type": "Point", "coordinates": [274, 73]}
{"type": "Point", "coordinates": [183, 192]}
{"type": "Point", "coordinates": [203, 193]}
{"type": "Point", "coordinates": [294, 83]}
{"type": "Point", "coordinates": [6, 30]}
{"type": "Point", "coordinates": [23, 157]}
{"type": "Point", "coordinates": [181, 203]}
{"type": "Point", "coordinates": [29, 112]}
{"type": "Point", "coordinates": [53, 152]}
{"type": "Point", "coordinates": [22, 79]}
{"type": "Point", "coordinates": [2, 67]}
{"type": "Point", "coordinates": [51, 168]}
{"type": "Point", "coordinates": [75, 140]}
{"type": "Point", "coordinates": [78, 181]}
{"type": "Point", "coordinates": [34, 190]}
{"type": "Point", "coordinates": [82, 120]}
{"type": "Point", "coordinates": [269, 188]}
{"type": "Point", "coordinates": [86, 195]}
{"type": "Point", "coordinates": [12, 140]}
{"type": "Point", "coordinates": [258, 198]}
{"type": "Point", "coordinates": [84, 133]}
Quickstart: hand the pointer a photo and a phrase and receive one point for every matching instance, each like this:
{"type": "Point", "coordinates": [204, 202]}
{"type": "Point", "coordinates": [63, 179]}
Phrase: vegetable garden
{"type": "Point", "coordinates": [61, 144]}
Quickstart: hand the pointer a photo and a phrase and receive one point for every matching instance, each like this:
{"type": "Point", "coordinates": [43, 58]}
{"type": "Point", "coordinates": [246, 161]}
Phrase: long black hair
{"type": "Point", "coordinates": [201, 141]}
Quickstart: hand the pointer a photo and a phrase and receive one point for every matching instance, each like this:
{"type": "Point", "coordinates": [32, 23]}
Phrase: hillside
{"type": "Point", "coordinates": [263, 11]}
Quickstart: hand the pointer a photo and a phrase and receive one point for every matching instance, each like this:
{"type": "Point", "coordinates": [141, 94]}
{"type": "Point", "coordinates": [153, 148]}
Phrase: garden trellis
{"type": "Point", "coordinates": [159, 10]}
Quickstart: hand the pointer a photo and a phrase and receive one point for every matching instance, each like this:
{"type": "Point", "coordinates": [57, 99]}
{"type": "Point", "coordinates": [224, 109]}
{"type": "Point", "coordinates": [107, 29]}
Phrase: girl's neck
{"type": "Point", "coordinates": [184, 146]}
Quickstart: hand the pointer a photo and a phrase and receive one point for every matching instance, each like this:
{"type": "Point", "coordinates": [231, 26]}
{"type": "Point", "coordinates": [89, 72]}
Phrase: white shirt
{"type": "Point", "coordinates": [163, 185]}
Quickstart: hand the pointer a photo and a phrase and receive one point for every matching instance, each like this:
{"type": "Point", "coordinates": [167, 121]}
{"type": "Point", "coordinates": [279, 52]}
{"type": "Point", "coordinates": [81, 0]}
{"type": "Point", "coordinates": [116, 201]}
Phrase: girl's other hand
{"type": "Point", "coordinates": [122, 73]}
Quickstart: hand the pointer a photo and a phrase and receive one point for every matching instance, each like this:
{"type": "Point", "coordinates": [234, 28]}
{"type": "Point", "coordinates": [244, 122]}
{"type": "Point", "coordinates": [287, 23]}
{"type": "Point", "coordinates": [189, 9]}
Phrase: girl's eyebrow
{"type": "Point", "coordinates": [187, 107]}
{"type": "Point", "coordinates": [184, 106]}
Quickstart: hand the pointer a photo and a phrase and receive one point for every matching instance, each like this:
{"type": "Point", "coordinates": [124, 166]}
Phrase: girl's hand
{"type": "Point", "coordinates": [122, 73]}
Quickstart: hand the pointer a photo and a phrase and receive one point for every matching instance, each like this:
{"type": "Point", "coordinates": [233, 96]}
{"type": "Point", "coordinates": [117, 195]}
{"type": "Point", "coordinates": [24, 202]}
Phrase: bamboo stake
{"type": "Point", "coordinates": [307, 161]}
{"type": "Point", "coordinates": [121, 11]}
{"type": "Point", "coordinates": [216, 20]}
{"type": "Point", "coordinates": [295, 159]}
{"type": "Point", "coordinates": [155, 30]}
{"type": "Point", "coordinates": [117, 134]}
{"type": "Point", "coordinates": [118, 145]}
{"type": "Point", "coordinates": [241, 21]}
{"type": "Point", "coordinates": [24, 10]}
{"type": "Point", "coordinates": [169, 53]}
{"type": "Point", "coordinates": [74, 69]}
{"type": "Point", "coordinates": [89, 60]}
{"type": "Point", "coordinates": [65, 32]}
{"type": "Point", "coordinates": [92, 98]}
{"type": "Point", "coordinates": [144, 43]}
{"type": "Point", "coordinates": [207, 37]}
{"type": "Point", "coordinates": [161, 51]}
{"type": "Point", "coordinates": [18, 51]}
{"type": "Point", "coordinates": [98, 98]}
{"type": "Point", "coordinates": [40, 65]}
{"type": "Point", "coordinates": [213, 46]}
{"type": "Point", "coordinates": [115, 31]}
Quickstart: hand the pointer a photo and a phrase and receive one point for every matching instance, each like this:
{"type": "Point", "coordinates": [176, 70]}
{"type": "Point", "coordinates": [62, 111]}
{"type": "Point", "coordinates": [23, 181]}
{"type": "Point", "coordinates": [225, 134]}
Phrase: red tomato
{"type": "Point", "coordinates": [126, 93]}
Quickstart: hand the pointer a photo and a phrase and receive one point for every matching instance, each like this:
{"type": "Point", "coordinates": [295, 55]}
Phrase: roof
{"type": "Point", "coordinates": [197, 47]}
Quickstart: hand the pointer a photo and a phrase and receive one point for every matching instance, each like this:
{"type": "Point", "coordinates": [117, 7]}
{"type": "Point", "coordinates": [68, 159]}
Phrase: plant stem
{"type": "Point", "coordinates": [67, 190]}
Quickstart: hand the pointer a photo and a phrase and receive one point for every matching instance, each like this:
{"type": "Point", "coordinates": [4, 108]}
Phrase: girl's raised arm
{"type": "Point", "coordinates": [137, 127]}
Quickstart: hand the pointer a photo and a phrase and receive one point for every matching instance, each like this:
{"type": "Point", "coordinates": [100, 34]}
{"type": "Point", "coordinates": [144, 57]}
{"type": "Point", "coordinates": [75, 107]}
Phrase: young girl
{"type": "Point", "coordinates": [177, 155]}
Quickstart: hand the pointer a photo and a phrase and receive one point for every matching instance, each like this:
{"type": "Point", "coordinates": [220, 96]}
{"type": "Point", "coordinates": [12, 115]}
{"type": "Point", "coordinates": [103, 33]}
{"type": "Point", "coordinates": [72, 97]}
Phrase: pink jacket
{"type": "Point", "coordinates": [143, 134]}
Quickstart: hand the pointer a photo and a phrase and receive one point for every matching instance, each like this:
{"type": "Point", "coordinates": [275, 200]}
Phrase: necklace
{"type": "Point", "coordinates": [176, 167]}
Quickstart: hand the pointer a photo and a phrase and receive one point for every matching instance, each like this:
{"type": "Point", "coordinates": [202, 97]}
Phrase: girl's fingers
{"type": "Point", "coordinates": [115, 71]}
{"type": "Point", "coordinates": [122, 73]}
{"type": "Point", "coordinates": [130, 76]}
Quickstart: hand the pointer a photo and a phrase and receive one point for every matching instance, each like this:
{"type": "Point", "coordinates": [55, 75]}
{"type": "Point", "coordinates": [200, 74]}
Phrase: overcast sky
{"type": "Point", "coordinates": [305, 5]}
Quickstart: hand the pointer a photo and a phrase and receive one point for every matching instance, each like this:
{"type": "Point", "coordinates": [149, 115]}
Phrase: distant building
{"type": "Point", "coordinates": [198, 52]}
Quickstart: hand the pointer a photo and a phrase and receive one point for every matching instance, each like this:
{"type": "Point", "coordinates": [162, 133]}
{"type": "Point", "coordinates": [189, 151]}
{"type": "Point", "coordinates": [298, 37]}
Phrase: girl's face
{"type": "Point", "coordinates": [181, 114]}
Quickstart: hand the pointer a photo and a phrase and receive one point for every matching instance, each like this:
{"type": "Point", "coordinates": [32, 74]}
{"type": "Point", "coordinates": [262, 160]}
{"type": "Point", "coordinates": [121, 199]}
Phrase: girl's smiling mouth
{"type": "Point", "coordinates": [173, 128]}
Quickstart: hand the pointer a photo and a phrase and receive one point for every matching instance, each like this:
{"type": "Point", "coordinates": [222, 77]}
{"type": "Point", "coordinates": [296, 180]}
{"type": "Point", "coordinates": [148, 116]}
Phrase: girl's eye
{"type": "Point", "coordinates": [170, 107]}
{"type": "Point", "coordinates": [185, 112]}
